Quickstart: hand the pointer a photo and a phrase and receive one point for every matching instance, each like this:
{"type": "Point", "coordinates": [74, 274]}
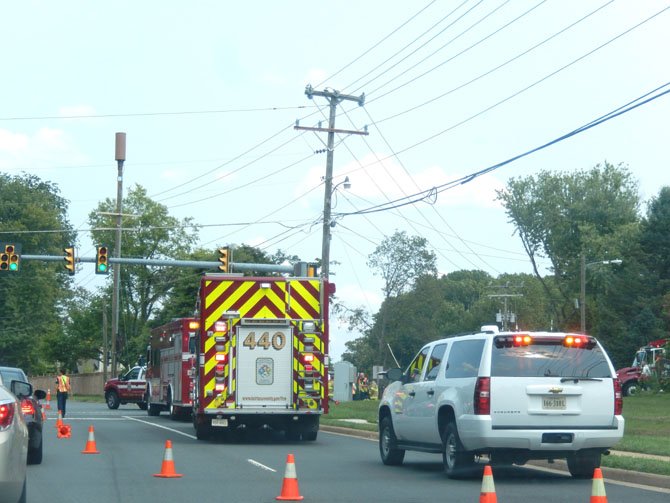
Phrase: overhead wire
{"type": "Point", "coordinates": [468, 178]}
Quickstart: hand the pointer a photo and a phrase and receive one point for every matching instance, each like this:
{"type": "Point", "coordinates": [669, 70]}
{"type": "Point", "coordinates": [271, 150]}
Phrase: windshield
{"type": "Point", "coordinates": [549, 359]}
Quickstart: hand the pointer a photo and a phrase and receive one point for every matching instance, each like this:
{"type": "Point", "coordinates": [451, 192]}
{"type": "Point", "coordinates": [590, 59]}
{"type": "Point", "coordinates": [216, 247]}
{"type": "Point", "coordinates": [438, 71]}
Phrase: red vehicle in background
{"type": "Point", "coordinates": [633, 378]}
{"type": "Point", "coordinates": [170, 368]}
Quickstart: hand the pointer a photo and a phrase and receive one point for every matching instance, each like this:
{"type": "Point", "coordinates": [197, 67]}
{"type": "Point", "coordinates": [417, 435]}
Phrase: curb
{"type": "Point", "coordinates": [639, 478]}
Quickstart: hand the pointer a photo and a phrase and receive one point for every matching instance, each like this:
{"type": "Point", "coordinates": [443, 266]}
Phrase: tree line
{"type": "Point", "coordinates": [47, 320]}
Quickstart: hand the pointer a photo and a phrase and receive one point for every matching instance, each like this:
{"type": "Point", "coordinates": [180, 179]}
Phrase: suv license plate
{"type": "Point", "coordinates": [553, 403]}
{"type": "Point", "coordinates": [219, 422]}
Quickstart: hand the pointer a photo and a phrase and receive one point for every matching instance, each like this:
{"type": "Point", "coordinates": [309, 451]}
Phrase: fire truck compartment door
{"type": "Point", "coordinates": [264, 366]}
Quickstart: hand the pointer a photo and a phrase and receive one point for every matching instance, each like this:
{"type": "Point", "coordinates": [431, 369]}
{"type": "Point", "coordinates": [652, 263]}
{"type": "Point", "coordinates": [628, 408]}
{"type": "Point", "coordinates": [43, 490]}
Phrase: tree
{"type": "Point", "coordinates": [32, 213]}
{"type": "Point", "coordinates": [151, 233]}
{"type": "Point", "coordinates": [566, 215]}
{"type": "Point", "coordinates": [400, 260]}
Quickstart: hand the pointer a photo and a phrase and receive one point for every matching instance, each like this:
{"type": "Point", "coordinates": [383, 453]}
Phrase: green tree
{"type": "Point", "coordinates": [566, 215]}
{"type": "Point", "coordinates": [400, 260]}
{"type": "Point", "coordinates": [32, 213]}
{"type": "Point", "coordinates": [151, 233]}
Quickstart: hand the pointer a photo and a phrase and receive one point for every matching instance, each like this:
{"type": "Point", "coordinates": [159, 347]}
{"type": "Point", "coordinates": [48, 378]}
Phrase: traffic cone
{"type": "Point", "coordinates": [48, 405]}
{"type": "Point", "coordinates": [488, 494]}
{"type": "Point", "coordinates": [59, 421]}
{"type": "Point", "coordinates": [90, 443]}
{"type": "Point", "coordinates": [64, 431]}
{"type": "Point", "coordinates": [289, 488]}
{"type": "Point", "coordinates": [167, 468]}
{"type": "Point", "coordinates": [598, 488]}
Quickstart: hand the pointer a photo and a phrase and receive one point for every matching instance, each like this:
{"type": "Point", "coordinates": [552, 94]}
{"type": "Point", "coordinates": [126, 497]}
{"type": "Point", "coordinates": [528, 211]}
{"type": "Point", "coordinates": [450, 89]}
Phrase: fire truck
{"type": "Point", "coordinates": [170, 368]}
{"type": "Point", "coordinates": [633, 378]}
{"type": "Point", "coordinates": [262, 354]}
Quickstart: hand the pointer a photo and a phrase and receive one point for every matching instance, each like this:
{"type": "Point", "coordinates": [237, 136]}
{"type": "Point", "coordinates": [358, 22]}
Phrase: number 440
{"type": "Point", "coordinates": [277, 341]}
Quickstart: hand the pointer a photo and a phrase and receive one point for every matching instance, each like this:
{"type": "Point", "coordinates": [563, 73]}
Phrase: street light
{"type": "Point", "coordinates": [582, 300]}
{"type": "Point", "coordinates": [325, 248]}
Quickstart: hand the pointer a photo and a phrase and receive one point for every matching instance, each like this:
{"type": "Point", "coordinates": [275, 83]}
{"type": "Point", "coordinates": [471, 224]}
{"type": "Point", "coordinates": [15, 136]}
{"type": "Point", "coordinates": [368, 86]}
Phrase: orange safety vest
{"type": "Point", "coordinates": [63, 383]}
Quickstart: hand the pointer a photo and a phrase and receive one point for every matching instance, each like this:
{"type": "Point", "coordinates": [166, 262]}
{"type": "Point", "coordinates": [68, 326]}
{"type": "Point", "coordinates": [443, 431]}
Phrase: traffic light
{"type": "Point", "coordinates": [10, 257]}
{"type": "Point", "coordinates": [69, 260]}
{"type": "Point", "coordinates": [225, 256]}
{"type": "Point", "coordinates": [102, 260]}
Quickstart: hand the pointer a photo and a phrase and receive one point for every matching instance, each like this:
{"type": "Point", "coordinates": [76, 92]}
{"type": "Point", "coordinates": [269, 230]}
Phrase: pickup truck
{"type": "Point", "coordinates": [130, 387]}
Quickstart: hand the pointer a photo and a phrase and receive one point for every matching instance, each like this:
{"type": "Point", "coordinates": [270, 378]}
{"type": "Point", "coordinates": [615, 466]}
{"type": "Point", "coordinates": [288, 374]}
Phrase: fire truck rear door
{"type": "Point", "coordinates": [264, 365]}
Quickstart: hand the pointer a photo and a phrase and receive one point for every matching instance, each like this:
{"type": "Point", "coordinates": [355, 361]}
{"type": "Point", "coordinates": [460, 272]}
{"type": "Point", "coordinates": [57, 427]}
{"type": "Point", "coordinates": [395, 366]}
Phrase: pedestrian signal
{"type": "Point", "coordinates": [69, 260]}
{"type": "Point", "coordinates": [102, 261]}
{"type": "Point", "coordinates": [225, 255]}
{"type": "Point", "coordinates": [10, 257]}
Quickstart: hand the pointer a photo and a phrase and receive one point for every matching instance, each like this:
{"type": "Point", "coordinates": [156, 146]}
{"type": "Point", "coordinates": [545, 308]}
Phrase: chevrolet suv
{"type": "Point", "coordinates": [510, 396]}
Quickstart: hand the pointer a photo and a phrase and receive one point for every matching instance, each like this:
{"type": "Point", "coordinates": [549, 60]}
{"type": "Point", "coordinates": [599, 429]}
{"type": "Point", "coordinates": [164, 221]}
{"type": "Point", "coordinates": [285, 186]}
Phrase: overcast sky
{"type": "Point", "coordinates": [208, 93]}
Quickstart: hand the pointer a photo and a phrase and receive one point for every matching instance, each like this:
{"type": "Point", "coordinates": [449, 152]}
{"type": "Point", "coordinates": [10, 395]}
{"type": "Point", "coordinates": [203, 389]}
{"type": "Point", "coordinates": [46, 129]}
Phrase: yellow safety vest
{"type": "Point", "coordinates": [63, 383]}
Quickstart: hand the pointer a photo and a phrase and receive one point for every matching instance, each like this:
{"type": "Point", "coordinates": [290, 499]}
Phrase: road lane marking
{"type": "Point", "coordinates": [161, 426]}
{"type": "Point", "coordinates": [261, 465]}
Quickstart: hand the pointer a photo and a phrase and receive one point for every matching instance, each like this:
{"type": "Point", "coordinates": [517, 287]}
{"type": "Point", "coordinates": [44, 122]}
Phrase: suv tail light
{"type": "Point", "coordinates": [618, 397]}
{"type": "Point", "coordinates": [482, 396]}
{"type": "Point", "coordinates": [6, 415]}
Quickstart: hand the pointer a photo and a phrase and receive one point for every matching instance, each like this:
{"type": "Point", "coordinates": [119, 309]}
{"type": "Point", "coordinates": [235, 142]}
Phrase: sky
{"type": "Point", "coordinates": [208, 94]}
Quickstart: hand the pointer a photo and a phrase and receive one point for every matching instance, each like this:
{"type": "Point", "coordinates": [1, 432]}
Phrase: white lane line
{"type": "Point", "coordinates": [261, 465]}
{"type": "Point", "coordinates": [161, 426]}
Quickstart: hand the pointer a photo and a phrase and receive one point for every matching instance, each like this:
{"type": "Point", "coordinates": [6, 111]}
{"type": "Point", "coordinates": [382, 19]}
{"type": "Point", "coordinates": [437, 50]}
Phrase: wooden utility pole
{"type": "Point", "coordinates": [334, 98]}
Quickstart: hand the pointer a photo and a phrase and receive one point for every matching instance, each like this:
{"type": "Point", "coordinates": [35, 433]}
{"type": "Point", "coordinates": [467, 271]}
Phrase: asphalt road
{"type": "Point", "coordinates": [335, 468]}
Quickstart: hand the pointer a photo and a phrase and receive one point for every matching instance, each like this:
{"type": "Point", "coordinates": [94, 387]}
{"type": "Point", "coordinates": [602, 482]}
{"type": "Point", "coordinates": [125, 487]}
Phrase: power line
{"type": "Point", "coordinates": [433, 191]}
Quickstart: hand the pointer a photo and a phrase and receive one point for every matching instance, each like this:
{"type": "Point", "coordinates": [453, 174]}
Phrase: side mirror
{"type": "Point", "coordinates": [21, 389]}
{"type": "Point", "coordinates": [395, 374]}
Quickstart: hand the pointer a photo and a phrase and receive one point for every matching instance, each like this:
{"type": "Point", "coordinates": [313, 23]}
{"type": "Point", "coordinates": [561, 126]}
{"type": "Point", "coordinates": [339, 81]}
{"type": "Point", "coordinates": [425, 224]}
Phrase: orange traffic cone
{"type": "Point", "coordinates": [48, 405]}
{"type": "Point", "coordinates": [64, 431]}
{"type": "Point", "coordinates": [598, 488]}
{"type": "Point", "coordinates": [488, 494]}
{"type": "Point", "coordinates": [167, 468]}
{"type": "Point", "coordinates": [90, 443]}
{"type": "Point", "coordinates": [59, 421]}
{"type": "Point", "coordinates": [289, 488]}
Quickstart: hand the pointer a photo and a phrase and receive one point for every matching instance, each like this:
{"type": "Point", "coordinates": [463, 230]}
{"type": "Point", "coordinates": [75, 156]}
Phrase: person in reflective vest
{"type": "Point", "coordinates": [62, 390]}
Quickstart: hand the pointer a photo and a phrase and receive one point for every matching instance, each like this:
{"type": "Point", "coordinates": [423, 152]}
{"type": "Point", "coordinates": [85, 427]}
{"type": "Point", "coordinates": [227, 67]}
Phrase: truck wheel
{"type": "Point", "coordinates": [152, 408]}
{"type": "Point", "coordinates": [174, 411]}
{"type": "Point", "coordinates": [112, 399]}
{"type": "Point", "coordinates": [142, 405]}
{"type": "Point", "coordinates": [203, 431]}
{"type": "Point", "coordinates": [388, 451]}
{"type": "Point", "coordinates": [457, 461]}
{"type": "Point", "coordinates": [630, 388]}
{"type": "Point", "coordinates": [583, 464]}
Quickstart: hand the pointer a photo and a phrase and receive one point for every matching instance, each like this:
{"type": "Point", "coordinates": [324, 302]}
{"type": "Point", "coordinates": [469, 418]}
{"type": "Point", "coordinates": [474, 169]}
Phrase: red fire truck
{"type": "Point", "coordinates": [262, 354]}
{"type": "Point", "coordinates": [170, 368]}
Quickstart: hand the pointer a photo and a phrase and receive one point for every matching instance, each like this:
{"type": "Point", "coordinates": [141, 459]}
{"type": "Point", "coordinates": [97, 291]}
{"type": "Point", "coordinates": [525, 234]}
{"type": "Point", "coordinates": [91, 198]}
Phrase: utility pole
{"type": "Point", "coordinates": [334, 98]}
{"type": "Point", "coordinates": [506, 316]}
{"type": "Point", "coordinates": [120, 156]}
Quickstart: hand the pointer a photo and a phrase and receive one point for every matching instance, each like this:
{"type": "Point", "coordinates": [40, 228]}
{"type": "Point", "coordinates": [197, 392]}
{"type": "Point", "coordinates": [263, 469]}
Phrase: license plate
{"type": "Point", "coordinates": [219, 422]}
{"type": "Point", "coordinates": [553, 403]}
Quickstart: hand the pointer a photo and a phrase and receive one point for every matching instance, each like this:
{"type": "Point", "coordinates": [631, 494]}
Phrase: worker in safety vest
{"type": "Point", "coordinates": [62, 390]}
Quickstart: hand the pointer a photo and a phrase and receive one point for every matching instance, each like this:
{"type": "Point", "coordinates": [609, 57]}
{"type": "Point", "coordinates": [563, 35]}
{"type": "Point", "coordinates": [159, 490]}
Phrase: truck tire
{"type": "Point", "coordinates": [112, 399]}
{"type": "Point", "coordinates": [457, 461]}
{"type": "Point", "coordinates": [142, 405]}
{"type": "Point", "coordinates": [152, 408]}
{"type": "Point", "coordinates": [630, 388]}
{"type": "Point", "coordinates": [583, 464]}
{"type": "Point", "coordinates": [388, 451]}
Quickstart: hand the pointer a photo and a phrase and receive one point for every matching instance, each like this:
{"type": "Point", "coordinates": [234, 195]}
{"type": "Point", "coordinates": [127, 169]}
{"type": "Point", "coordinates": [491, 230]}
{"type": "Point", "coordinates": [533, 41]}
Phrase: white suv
{"type": "Point", "coordinates": [512, 396]}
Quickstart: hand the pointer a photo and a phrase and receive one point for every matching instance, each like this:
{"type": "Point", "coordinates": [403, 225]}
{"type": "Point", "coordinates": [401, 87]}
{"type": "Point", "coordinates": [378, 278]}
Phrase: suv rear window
{"type": "Point", "coordinates": [548, 358]}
